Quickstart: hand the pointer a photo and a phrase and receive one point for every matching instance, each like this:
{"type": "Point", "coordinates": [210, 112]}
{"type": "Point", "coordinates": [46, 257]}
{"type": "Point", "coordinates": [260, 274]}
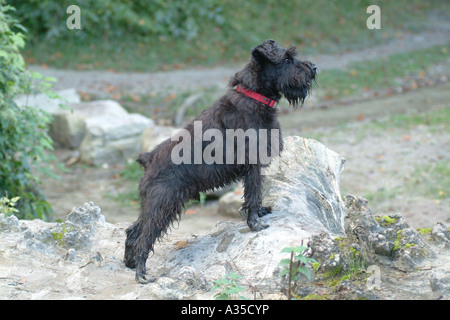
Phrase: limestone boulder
{"type": "Point", "coordinates": [69, 125]}
{"type": "Point", "coordinates": [302, 187]}
{"type": "Point", "coordinates": [111, 138]}
{"type": "Point", "coordinates": [42, 101]}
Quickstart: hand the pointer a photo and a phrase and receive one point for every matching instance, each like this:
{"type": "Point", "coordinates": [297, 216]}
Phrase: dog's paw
{"type": "Point", "coordinates": [258, 226]}
{"type": "Point", "coordinates": [253, 218]}
{"type": "Point", "coordinates": [143, 278]}
{"type": "Point", "coordinates": [264, 211]}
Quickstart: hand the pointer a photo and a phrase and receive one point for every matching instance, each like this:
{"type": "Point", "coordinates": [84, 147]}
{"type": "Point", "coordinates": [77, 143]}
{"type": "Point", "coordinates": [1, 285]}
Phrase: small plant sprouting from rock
{"type": "Point", "coordinates": [59, 236]}
{"type": "Point", "coordinates": [229, 287]}
{"type": "Point", "coordinates": [293, 266]}
{"type": "Point", "coordinates": [7, 206]}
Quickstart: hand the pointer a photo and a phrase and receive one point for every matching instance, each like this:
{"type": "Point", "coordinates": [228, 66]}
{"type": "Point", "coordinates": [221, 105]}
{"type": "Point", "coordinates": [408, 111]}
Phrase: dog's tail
{"type": "Point", "coordinates": [144, 159]}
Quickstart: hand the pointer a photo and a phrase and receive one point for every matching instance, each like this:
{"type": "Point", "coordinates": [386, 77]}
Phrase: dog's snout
{"type": "Point", "coordinates": [314, 68]}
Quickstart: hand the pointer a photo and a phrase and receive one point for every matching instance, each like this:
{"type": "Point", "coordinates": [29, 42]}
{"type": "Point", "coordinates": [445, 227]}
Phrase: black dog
{"type": "Point", "coordinates": [249, 104]}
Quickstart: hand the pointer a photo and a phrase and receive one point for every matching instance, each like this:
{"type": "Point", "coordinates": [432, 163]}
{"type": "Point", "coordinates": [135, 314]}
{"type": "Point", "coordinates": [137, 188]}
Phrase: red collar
{"type": "Point", "coordinates": [256, 96]}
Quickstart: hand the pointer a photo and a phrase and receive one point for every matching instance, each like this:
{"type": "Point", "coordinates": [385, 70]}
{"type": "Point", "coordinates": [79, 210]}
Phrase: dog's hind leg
{"type": "Point", "coordinates": [138, 244]}
{"type": "Point", "coordinates": [158, 212]}
{"type": "Point", "coordinates": [145, 246]}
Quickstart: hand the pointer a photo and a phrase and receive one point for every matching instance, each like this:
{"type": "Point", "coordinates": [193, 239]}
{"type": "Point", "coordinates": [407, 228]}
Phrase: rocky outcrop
{"type": "Point", "coordinates": [82, 257]}
{"type": "Point", "coordinates": [408, 263]}
{"type": "Point", "coordinates": [302, 187]}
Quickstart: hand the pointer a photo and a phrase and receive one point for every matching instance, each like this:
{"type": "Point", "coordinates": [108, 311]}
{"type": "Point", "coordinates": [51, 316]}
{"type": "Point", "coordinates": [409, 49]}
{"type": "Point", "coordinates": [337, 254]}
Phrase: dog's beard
{"type": "Point", "coordinates": [296, 96]}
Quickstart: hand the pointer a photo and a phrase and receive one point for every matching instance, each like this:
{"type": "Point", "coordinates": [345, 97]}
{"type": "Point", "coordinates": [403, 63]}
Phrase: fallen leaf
{"type": "Point", "coordinates": [360, 117]}
{"type": "Point", "coordinates": [406, 138]}
{"type": "Point", "coordinates": [170, 97]}
{"type": "Point", "coordinates": [180, 244]}
{"type": "Point", "coordinates": [111, 88]}
{"type": "Point", "coordinates": [135, 98]}
{"type": "Point", "coordinates": [84, 95]}
{"type": "Point", "coordinates": [191, 211]}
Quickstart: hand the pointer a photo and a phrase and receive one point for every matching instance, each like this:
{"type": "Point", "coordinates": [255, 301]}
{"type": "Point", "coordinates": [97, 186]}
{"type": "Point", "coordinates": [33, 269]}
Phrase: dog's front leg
{"type": "Point", "coordinates": [252, 198]}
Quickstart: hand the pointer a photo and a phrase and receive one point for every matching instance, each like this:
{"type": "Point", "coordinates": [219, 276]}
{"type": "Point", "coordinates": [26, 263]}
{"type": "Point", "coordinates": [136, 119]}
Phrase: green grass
{"type": "Point", "coordinates": [380, 73]}
{"type": "Point", "coordinates": [431, 181]}
{"type": "Point", "coordinates": [436, 120]}
{"type": "Point", "coordinates": [312, 25]}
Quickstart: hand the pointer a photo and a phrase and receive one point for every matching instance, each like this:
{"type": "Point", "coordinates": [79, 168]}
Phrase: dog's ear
{"type": "Point", "coordinates": [246, 77]}
{"type": "Point", "coordinates": [267, 51]}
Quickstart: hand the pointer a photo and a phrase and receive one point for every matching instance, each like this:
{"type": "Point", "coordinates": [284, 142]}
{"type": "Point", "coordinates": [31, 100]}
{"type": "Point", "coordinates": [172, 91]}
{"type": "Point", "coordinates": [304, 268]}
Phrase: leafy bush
{"type": "Point", "coordinates": [23, 136]}
{"type": "Point", "coordinates": [7, 206]}
{"type": "Point", "coordinates": [117, 18]}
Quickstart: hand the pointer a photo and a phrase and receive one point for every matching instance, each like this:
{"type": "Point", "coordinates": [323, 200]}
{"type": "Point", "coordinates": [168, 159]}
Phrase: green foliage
{"type": "Point", "coordinates": [7, 206]}
{"type": "Point", "coordinates": [23, 136]}
{"type": "Point", "coordinates": [295, 265]}
{"type": "Point", "coordinates": [380, 73]}
{"type": "Point", "coordinates": [59, 236]}
{"type": "Point", "coordinates": [229, 287]}
{"type": "Point", "coordinates": [119, 18]}
{"type": "Point", "coordinates": [154, 35]}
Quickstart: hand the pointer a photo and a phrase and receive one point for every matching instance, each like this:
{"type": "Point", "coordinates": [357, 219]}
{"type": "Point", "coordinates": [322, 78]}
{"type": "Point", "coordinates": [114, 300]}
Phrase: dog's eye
{"type": "Point", "coordinates": [287, 60]}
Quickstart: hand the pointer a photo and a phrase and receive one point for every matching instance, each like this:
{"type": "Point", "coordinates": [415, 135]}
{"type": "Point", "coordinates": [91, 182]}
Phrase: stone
{"type": "Point", "coordinates": [52, 106]}
{"type": "Point", "coordinates": [154, 135]}
{"type": "Point", "coordinates": [302, 187]}
{"type": "Point", "coordinates": [386, 240]}
{"type": "Point", "coordinates": [10, 223]}
{"type": "Point", "coordinates": [110, 138]}
{"type": "Point", "coordinates": [440, 233]}
{"type": "Point", "coordinates": [69, 126]}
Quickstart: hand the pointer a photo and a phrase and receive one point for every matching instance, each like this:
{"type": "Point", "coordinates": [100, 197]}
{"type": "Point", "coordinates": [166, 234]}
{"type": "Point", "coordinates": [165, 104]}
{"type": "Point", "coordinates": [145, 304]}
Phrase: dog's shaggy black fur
{"type": "Point", "coordinates": [166, 187]}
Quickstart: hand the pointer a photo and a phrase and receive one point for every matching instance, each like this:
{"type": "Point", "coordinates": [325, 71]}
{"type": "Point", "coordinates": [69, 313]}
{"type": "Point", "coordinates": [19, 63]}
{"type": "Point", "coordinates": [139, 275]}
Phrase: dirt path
{"type": "Point", "coordinates": [97, 82]}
